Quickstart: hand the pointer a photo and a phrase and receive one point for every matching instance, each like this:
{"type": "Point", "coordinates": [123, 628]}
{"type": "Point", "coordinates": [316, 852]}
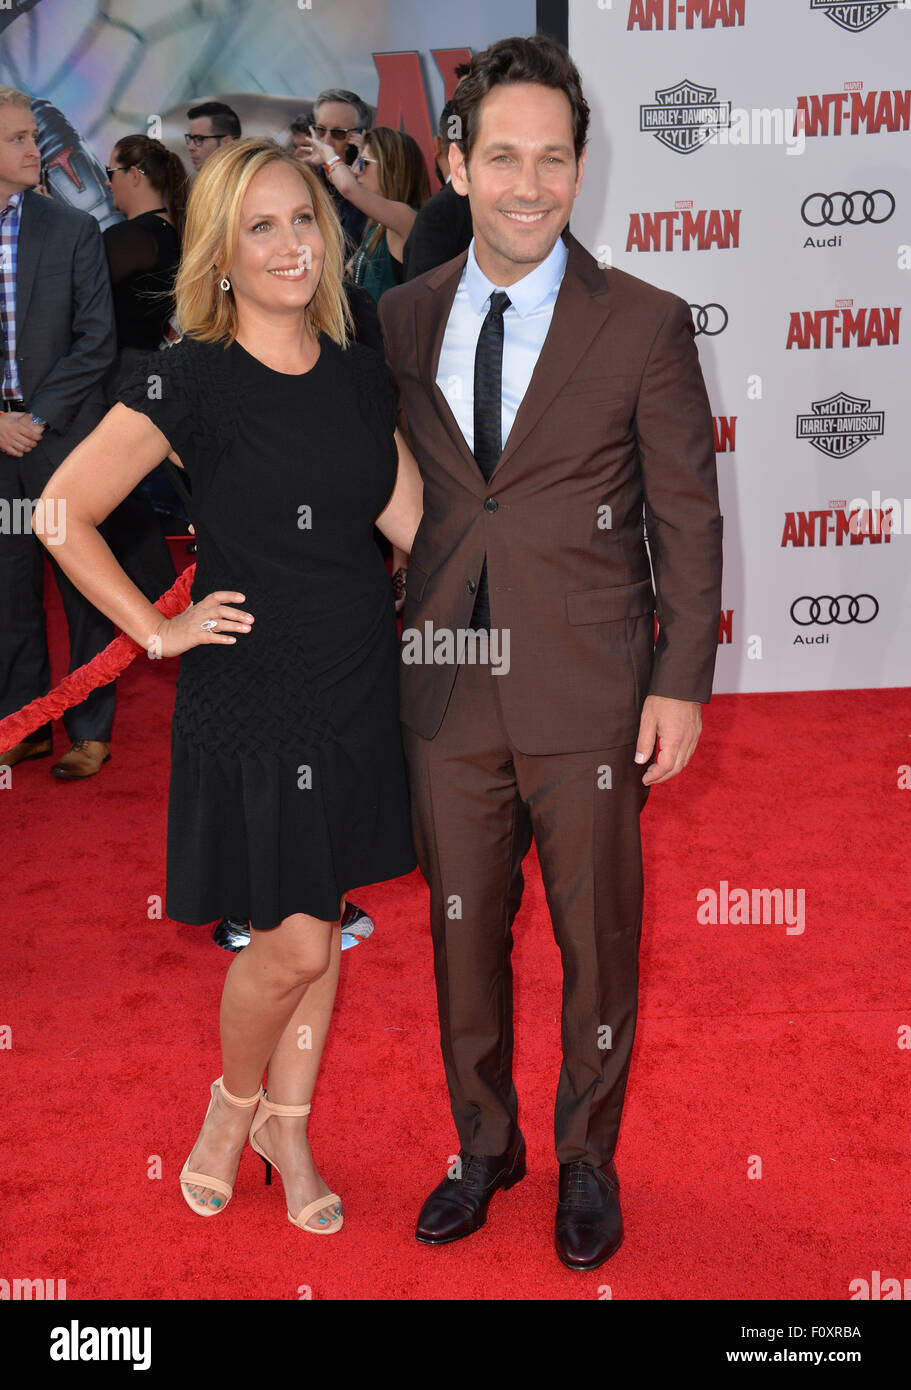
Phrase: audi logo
{"type": "Point", "coordinates": [842, 209]}
{"type": "Point", "coordinates": [841, 609]}
{"type": "Point", "coordinates": [711, 319]}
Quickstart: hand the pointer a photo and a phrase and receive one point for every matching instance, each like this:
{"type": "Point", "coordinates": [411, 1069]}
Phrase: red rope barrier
{"type": "Point", "coordinates": [102, 669]}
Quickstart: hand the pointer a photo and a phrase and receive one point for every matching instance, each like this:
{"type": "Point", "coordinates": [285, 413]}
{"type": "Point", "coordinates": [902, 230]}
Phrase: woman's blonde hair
{"type": "Point", "coordinates": [204, 310]}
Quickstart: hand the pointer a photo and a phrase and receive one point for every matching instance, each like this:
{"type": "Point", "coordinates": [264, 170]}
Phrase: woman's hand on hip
{"type": "Point", "coordinates": [211, 620]}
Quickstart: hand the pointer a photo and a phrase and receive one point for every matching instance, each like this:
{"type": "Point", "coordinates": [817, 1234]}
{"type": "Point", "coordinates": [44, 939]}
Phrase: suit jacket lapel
{"type": "Point", "coordinates": [32, 227]}
{"type": "Point", "coordinates": [431, 314]}
{"type": "Point", "coordinates": [580, 311]}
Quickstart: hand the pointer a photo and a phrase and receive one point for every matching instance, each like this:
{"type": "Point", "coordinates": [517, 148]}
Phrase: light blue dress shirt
{"type": "Point", "coordinates": [525, 325]}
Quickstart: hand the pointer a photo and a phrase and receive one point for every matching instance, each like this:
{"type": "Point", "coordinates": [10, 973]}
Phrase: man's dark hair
{"type": "Point", "coordinates": [508, 61]}
{"type": "Point", "coordinates": [301, 124]}
{"type": "Point", "coordinates": [445, 125]}
{"type": "Point", "coordinates": [225, 121]}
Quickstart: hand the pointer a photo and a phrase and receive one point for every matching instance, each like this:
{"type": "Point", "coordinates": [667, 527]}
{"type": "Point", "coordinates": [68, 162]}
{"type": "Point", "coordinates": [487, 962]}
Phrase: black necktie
{"type": "Point", "coordinates": [488, 415]}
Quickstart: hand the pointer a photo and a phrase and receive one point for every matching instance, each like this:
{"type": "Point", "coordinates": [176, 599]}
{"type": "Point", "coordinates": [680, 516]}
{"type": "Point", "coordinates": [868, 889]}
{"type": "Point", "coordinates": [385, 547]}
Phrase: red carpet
{"type": "Point", "coordinates": [751, 1042]}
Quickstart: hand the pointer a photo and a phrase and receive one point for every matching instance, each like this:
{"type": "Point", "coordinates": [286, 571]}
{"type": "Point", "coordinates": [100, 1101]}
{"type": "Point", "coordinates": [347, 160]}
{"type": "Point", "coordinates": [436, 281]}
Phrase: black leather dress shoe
{"type": "Point", "coordinates": [589, 1227]}
{"type": "Point", "coordinates": [458, 1206]}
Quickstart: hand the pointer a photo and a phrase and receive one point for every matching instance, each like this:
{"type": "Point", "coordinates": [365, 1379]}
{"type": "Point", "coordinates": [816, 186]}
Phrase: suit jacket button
{"type": "Point", "coordinates": [491, 504]}
{"type": "Point", "coordinates": [471, 586]}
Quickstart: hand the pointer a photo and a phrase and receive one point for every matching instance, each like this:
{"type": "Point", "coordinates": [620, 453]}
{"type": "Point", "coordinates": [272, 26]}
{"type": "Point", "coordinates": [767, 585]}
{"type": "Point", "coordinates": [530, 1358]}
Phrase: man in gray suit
{"type": "Point", "coordinates": [57, 341]}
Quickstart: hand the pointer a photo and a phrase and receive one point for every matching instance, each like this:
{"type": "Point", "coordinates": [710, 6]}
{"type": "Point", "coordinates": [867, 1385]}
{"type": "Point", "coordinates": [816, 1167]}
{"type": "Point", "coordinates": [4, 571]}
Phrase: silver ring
{"type": "Point", "coordinates": [209, 625]}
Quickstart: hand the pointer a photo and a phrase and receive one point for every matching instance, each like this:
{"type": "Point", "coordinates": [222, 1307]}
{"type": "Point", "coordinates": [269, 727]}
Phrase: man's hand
{"type": "Point", "coordinates": [18, 433]}
{"type": "Point", "coordinates": [677, 724]}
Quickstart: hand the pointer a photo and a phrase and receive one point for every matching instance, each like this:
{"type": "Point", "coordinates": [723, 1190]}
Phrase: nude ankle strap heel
{"type": "Point", "coordinates": [267, 1108]}
{"type": "Point", "coordinates": [187, 1175]}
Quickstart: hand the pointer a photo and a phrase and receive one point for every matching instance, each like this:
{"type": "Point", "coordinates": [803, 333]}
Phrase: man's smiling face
{"type": "Point", "coordinates": [521, 179]}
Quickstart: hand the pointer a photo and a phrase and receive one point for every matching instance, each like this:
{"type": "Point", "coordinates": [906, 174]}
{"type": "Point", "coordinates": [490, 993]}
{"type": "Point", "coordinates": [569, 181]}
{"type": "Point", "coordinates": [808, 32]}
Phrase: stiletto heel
{"type": "Point", "coordinates": [205, 1179]}
{"type": "Point", "coordinates": [266, 1108]}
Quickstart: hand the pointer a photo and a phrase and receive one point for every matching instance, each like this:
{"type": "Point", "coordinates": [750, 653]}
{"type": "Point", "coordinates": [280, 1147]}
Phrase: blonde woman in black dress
{"type": "Point", "coordinates": [287, 779]}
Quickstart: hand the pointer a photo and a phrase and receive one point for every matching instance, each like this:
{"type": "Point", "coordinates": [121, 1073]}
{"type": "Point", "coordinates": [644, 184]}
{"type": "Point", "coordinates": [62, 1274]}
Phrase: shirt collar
{"type": "Point", "coordinates": [526, 294]}
{"type": "Point", "coordinates": [14, 202]}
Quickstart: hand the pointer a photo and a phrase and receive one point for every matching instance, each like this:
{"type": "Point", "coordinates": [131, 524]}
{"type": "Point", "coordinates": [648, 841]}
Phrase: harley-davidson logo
{"type": "Point", "coordinates": [685, 117]}
{"type": "Point", "coordinates": [854, 15]}
{"type": "Point", "coordinates": [840, 425]}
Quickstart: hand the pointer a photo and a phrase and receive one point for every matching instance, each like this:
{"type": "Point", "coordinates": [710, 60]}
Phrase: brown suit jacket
{"type": "Point", "coordinates": [615, 416]}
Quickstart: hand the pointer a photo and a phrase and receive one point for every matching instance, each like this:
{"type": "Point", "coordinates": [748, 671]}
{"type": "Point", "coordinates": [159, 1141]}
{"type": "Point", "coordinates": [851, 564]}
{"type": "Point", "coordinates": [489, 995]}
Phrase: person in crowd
{"type": "Point", "coordinates": [388, 182]}
{"type": "Point", "coordinates": [149, 185]}
{"type": "Point", "coordinates": [212, 125]}
{"type": "Point", "coordinates": [287, 776]}
{"type": "Point", "coordinates": [442, 228]}
{"type": "Point", "coordinates": [57, 343]}
{"type": "Point", "coordinates": [575, 394]}
{"type": "Point", "coordinates": [340, 120]}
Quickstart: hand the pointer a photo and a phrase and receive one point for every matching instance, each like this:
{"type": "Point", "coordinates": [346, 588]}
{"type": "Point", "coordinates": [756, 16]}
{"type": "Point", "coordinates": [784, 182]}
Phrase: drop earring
{"type": "Point", "coordinates": [226, 284]}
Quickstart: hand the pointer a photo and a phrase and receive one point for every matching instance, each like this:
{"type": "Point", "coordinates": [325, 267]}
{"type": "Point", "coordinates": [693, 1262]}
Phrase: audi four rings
{"type": "Point", "coordinates": [855, 605]}
{"type": "Point", "coordinates": [708, 322]}
{"type": "Point", "coordinates": [839, 209]}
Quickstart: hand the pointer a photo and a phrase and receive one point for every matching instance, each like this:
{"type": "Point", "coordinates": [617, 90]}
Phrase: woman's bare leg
{"type": "Point", "coordinates": [293, 1069]}
{"type": "Point", "coordinates": [263, 988]}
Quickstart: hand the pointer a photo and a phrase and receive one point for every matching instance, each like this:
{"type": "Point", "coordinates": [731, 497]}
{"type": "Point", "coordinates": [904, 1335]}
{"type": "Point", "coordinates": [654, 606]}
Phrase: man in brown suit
{"type": "Point", "coordinates": [550, 404]}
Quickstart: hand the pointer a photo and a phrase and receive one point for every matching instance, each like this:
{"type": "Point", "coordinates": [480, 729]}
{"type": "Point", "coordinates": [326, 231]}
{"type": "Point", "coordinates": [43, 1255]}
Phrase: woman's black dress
{"type": "Point", "coordinates": [287, 774]}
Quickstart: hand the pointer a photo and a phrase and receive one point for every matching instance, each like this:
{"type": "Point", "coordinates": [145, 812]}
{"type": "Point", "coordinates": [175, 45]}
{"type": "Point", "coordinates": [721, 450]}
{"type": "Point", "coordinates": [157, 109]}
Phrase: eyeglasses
{"type": "Point", "coordinates": [196, 140]}
{"type": "Point", "coordinates": [362, 161]}
{"type": "Point", "coordinates": [335, 131]}
{"type": "Point", "coordinates": [121, 169]}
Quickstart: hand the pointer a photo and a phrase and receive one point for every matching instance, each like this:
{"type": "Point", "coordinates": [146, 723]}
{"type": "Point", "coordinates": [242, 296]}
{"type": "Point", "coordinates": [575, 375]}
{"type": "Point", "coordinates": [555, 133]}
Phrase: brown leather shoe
{"type": "Point", "coordinates": [22, 752]}
{"type": "Point", "coordinates": [83, 760]}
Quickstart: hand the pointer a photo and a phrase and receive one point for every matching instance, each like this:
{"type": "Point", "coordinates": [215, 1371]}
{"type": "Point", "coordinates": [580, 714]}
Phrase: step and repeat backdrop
{"type": "Point", "coordinates": [754, 157]}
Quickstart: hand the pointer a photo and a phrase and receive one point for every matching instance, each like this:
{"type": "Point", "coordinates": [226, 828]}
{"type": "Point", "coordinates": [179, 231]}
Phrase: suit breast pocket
{"type": "Point", "coordinates": [592, 404]}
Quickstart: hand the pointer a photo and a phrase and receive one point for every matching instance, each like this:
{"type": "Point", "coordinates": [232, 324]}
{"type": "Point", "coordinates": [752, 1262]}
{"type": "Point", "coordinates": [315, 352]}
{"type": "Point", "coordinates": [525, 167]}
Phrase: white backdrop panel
{"type": "Point", "coordinates": [768, 54]}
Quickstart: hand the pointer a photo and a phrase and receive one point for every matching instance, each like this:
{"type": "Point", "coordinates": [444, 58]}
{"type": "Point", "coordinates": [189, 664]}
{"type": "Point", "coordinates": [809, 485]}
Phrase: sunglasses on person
{"type": "Point", "coordinates": [335, 131]}
{"type": "Point", "coordinates": [121, 169]}
{"type": "Point", "coordinates": [360, 164]}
